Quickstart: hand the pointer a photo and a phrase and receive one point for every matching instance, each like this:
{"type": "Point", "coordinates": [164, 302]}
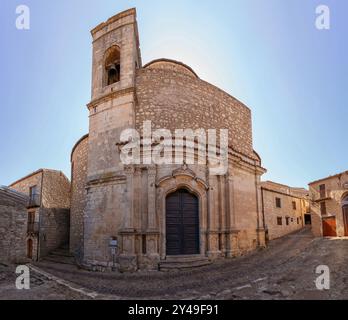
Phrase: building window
{"type": "Point", "coordinates": [32, 225]}
{"type": "Point", "coordinates": [287, 220]}
{"type": "Point", "coordinates": [278, 203]}
{"type": "Point", "coordinates": [279, 221]}
{"type": "Point", "coordinates": [322, 190]}
{"type": "Point", "coordinates": [298, 220]}
{"type": "Point", "coordinates": [31, 217]}
{"type": "Point", "coordinates": [143, 242]}
{"type": "Point", "coordinates": [294, 205]}
{"type": "Point", "coordinates": [323, 210]}
{"type": "Point", "coordinates": [32, 192]}
{"type": "Point", "coordinates": [112, 66]}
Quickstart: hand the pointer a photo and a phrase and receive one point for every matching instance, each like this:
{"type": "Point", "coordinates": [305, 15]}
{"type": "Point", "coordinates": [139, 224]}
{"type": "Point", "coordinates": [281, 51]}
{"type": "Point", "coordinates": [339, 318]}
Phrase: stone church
{"type": "Point", "coordinates": [160, 216]}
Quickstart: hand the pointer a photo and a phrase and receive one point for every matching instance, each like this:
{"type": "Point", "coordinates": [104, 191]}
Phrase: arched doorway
{"type": "Point", "coordinates": [345, 214]}
{"type": "Point", "coordinates": [30, 249]}
{"type": "Point", "coordinates": [182, 223]}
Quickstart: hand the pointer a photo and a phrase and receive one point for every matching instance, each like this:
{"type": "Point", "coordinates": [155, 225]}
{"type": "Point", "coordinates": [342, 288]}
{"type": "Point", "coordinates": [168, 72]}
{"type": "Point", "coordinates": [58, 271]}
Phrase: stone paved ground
{"type": "Point", "coordinates": [40, 287]}
{"type": "Point", "coordinates": [285, 270]}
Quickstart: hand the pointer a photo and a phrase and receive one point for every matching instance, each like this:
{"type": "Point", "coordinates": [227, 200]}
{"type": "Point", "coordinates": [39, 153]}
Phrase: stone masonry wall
{"type": "Point", "coordinates": [174, 100]}
{"type": "Point", "coordinates": [55, 211]}
{"type": "Point", "coordinates": [78, 195]}
{"type": "Point", "coordinates": [270, 192]}
{"type": "Point", "coordinates": [13, 228]}
{"type": "Point", "coordinates": [245, 209]}
{"type": "Point", "coordinates": [336, 190]}
{"type": "Point", "coordinates": [24, 184]}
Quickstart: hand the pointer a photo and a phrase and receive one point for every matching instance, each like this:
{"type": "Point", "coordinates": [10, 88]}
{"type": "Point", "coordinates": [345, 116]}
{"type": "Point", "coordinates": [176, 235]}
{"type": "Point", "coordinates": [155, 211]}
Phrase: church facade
{"type": "Point", "coordinates": [159, 213]}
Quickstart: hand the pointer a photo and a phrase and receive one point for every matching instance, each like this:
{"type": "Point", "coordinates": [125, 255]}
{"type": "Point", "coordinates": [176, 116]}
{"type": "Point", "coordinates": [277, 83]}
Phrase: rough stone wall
{"type": "Point", "coordinates": [108, 205]}
{"type": "Point", "coordinates": [54, 229]}
{"type": "Point", "coordinates": [24, 184]}
{"type": "Point", "coordinates": [197, 104]}
{"type": "Point", "coordinates": [54, 211]}
{"type": "Point", "coordinates": [171, 65]}
{"type": "Point", "coordinates": [78, 195]}
{"type": "Point", "coordinates": [245, 209]}
{"type": "Point", "coordinates": [55, 190]}
{"type": "Point", "coordinates": [270, 192]}
{"type": "Point", "coordinates": [105, 127]}
{"type": "Point", "coordinates": [336, 190]}
{"type": "Point", "coordinates": [13, 227]}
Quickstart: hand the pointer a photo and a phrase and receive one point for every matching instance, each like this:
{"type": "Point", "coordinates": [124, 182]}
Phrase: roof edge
{"type": "Point", "coordinates": [328, 177]}
{"type": "Point", "coordinates": [172, 61]}
{"type": "Point", "coordinates": [34, 173]}
{"type": "Point", "coordinates": [77, 143]}
{"type": "Point", "coordinates": [131, 11]}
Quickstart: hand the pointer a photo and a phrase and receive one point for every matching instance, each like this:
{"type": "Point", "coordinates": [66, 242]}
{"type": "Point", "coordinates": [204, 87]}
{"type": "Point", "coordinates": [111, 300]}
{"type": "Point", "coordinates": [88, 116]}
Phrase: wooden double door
{"type": "Point", "coordinates": [182, 223]}
{"type": "Point", "coordinates": [345, 219]}
{"type": "Point", "coordinates": [329, 227]}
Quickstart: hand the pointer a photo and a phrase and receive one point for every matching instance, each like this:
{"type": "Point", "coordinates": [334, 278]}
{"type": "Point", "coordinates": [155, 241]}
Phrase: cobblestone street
{"type": "Point", "coordinates": [285, 270]}
{"type": "Point", "coordinates": [40, 287]}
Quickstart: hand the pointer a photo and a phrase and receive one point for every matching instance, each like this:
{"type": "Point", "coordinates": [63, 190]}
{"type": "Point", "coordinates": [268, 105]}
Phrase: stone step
{"type": "Point", "coordinates": [183, 262]}
{"type": "Point", "coordinates": [61, 252]}
{"type": "Point", "coordinates": [191, 257]}
{"type": "Point", "coordinates": [59, 259]}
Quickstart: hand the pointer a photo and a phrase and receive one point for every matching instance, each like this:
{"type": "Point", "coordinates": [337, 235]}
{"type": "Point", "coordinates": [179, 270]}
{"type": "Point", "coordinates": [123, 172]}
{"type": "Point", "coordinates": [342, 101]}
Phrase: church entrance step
{"type": "Point", "coordinates": [183, 262]}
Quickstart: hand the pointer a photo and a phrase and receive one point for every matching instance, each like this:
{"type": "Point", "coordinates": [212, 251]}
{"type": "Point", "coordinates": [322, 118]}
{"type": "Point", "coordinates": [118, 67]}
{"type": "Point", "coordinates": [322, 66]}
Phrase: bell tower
{"type": "Point", "coordinates": [109, 208]}
{"type": "Point", "coordinates": [116, 56]}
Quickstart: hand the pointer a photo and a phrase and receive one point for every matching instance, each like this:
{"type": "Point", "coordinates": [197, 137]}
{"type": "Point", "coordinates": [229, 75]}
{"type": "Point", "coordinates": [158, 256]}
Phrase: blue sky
{"type": "Point", "coordinates": [268, 54]}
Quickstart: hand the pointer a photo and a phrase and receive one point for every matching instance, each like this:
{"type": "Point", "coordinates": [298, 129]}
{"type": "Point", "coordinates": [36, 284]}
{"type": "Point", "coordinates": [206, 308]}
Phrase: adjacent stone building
{"type": "Point", "coordinates": [284, 208]}
{"type": "Point", "coordinates": [159, 213]}
{"type": "Point", "coordinates": [329, 205]}
{"type": "Point", "coordinates": [13, 226]}
{"type": "Point", "coordinates": [48, 211]}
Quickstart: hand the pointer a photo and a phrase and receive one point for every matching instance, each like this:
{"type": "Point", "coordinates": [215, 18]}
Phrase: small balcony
{"type": "Point", "coordinates": [33, 228]}
{"type": "Point", "coordinates": [34, 201]}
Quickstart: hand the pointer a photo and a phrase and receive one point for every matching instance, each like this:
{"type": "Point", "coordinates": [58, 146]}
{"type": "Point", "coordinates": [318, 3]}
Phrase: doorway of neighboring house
{"type": "Point", "coordinates": [345, 220]}
{"type": "Point", "coordinates": [345, 215]}
{"type": "Point", "coordinates": [329, 227]}
{"type": "Point", "coordinates": [30, 248]}
{"type": "Point", "coordinates": [308, 219]}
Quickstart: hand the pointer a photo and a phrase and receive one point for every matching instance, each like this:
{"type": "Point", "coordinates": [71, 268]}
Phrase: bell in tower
{"type": "Point", "coordinates": [112, 66]}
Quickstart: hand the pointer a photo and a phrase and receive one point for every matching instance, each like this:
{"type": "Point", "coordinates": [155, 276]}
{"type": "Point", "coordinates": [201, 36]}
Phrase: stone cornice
{"type": "Point", "coordinates": [105, 178]}
{"type": "Point", "coordinates": [129, 12]}
{"type": "Point", "coordinates": [283, 193]}
{"type": "Point", "coordinates": [110, 96]}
